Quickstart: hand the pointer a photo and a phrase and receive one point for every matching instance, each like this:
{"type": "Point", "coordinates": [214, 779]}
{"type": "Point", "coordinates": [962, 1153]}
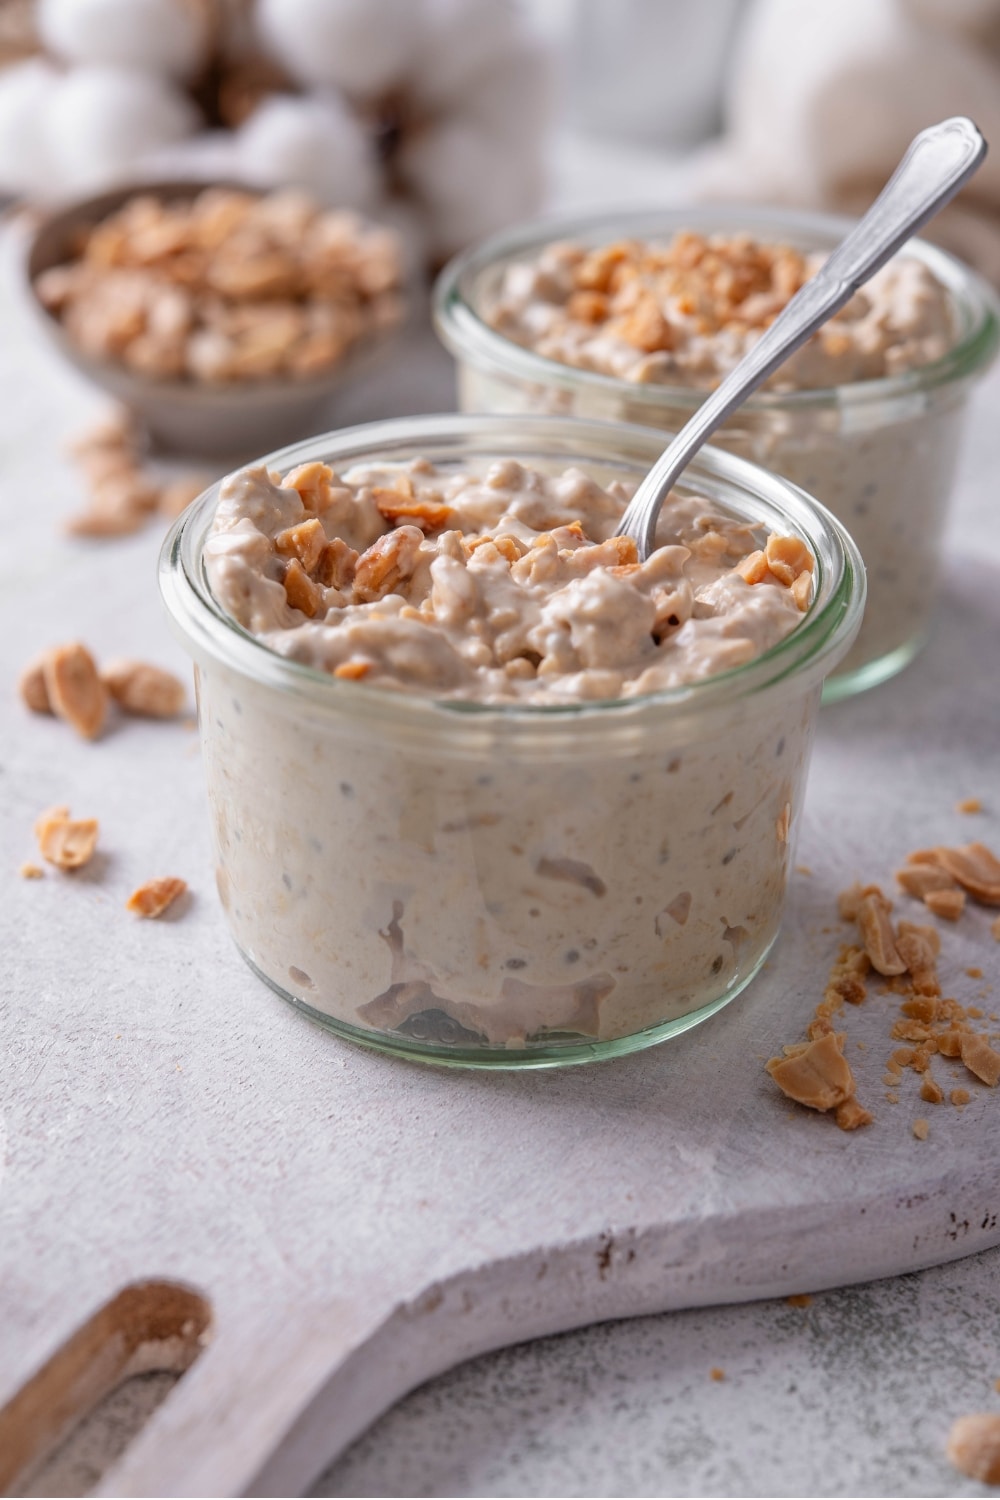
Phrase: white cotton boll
{"type": "Point", "coordinates": [459, 39]}
{"type": "Point", "coordinates": [470, 183]}
{"type": "Point", "coordinates": [102, 122]}
{"type": "Point", "coordinates": [25, 91]}
{"type": "Point", "coordinates": [313, 143]}
{"type": "Point", "coordinates": [162, 36]}
{"type": "Point", "coordinates": [359, 46]}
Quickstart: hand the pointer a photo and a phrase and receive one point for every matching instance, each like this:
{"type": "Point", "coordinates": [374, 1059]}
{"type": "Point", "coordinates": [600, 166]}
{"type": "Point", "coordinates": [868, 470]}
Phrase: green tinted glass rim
{"type": "Point", "coordinates": [470, 338]}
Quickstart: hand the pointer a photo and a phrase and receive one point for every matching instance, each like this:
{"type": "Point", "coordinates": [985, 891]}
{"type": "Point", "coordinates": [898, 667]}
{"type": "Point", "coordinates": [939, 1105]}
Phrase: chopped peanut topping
{"type": "Point", "coordinates": [305, 541]}
{"type": "Point", "coordinates": [930, 1091]}
{"type": "Point", "coordinates": [974, 1446]}
{"type": "Point", "coordinates": [398, 507]}
{"type": "Point", "coordinates": [336, 565]}
{"type": "Point", "coordinates": [300, 591]}
{"type": "Point", "coordinates": [314, 483]}
{"type": "Point", "coordinates": [353, 671]}
{"type": "Point", "coordinates": [754, 569]}
{"type": "Point", "coordinates": [75, 691]}
{"type": "Point", "coordinates": [788, 557]}
{"type": "Point", "coordinates": [65, 841]}
{"type": "Point", "coordinates": [921, 1129]}
{"type": "Point", "coordinates": [140, 688]}
{"type": "Point", "coordinates": [153, 898]}
{"type": "Point", "coordinates": [387, 562]}
{"type": "Point", "coordinates": [817, 1075]}
{"type": "Point", "coordinates": [802, 590]}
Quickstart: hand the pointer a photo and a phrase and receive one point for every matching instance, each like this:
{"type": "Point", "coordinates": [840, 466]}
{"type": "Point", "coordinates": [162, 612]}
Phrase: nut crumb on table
{"type": "Point", "coordinates": [716, 1374]}
{"type": "Point", "coordinates": [974, 1446]}
{"type": "Point", "coordinates": [29, 871]}
{"type": "Point", "coordinates": [969, 805]}
{"type": "Point", "coordinates": [66, 680]}
{"type": "Point", "coordinates": [73, 688]}
{"type": "Point", "coordinates": [921, 1129]}
{"type": "Point", "coordinates": [122, 491]}
{"type": "Point", "coordinates": [154, 897]}
{"type": "Point", "coordinates": [64, 841]}
{"type": "Point", "coordinates": [799, 1299]}
{"type": "Point", "coordinates": [906, 955]}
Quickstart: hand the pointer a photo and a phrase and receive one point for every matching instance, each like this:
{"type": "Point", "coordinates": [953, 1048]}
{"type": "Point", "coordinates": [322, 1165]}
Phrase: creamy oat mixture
{"type": "Point", "coordinates": [473, 883]}
{"type": "Point", "coordinates": [498, 584]}
{"type": "Point", "coordinates": [687, 311]}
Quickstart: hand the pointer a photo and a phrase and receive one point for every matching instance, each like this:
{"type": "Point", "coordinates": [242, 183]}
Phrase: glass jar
{"type": "Point", "coordinates": [510, 885]}
{"type": "Point", "coordinates": [881, 454]}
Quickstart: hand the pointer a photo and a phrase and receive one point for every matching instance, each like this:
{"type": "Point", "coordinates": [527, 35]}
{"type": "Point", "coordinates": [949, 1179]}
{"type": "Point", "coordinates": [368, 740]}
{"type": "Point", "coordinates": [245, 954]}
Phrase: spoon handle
{"type": "Point", "coordinates": [938, 161]}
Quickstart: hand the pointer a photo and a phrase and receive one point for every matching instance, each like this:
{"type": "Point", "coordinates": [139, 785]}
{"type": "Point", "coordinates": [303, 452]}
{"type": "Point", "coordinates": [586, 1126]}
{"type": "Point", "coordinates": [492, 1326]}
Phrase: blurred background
{"type": "Point", "coordinates": [452, 118]}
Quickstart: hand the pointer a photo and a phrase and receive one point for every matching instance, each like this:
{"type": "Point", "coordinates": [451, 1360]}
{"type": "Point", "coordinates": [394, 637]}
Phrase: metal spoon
{"type": "Point", "coordinates": [937, 162]}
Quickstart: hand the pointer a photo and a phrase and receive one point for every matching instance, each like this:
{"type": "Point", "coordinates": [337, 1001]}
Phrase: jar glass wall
{"type": "Point", "coordinates": [881, 454]}
{"type": "Point", "coordinates": [510, 885]}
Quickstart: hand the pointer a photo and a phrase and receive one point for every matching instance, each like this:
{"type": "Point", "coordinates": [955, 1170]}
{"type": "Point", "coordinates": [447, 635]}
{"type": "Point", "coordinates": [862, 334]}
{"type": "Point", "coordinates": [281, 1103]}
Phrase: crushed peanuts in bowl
{"type": "Point", "coordinates": [223, 317]}
{"type": "Point", "coordinates": [484, 788]}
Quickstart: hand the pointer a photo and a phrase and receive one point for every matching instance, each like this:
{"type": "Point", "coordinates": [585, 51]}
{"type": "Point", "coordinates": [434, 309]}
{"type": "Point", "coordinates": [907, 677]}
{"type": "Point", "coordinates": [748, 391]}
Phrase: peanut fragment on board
{"type": "Point", "coordinates": [64, 841]}
{"type": "Point", "coordinates": [815, 1073]}
{"type": "Point", "coordinates": [140, 688]}
{"type": "Point", "coordinates": [974, 1446]}
{"type": "Point", "coordinates": [74, 689]}
{"type": "Point", "coordinates": [153, 898]}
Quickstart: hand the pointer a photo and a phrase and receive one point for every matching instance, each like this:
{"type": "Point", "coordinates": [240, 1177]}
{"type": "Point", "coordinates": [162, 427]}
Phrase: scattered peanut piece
{"type": "Point", "coordinates": [980, 1058]}
{"type": "Point", "coordinates": [960, 1097]}
{"type": "Point", "coordinates": [74, 689]}
{"type": "Point", "coordinates": [153, 898]}
{"type": "Point", "coordinates": [922, 880]}
{"type": "Point", "coordinates": [716, 1374]}
{"type": "Point", "coordinates": [64, 841]}
{"type": "Point", "coordinates": [969, 805]}
{"type": "Point", "coordinates": [815, 1073]}
{"type": "Point", "coordinates": [974, 973]}
{"type": "Point", "coordinates": [851, 1115]}
{"type": "Point", "coordinates": [995, 929]}
{"type": "Point", "coordinates": [931, 1092]}
{"type": "Point", "coordinates": [799, 1299]}
{"type": "Point", "coordinates": [876, 932]}
{"type": "Point", "coordinates": [976, 868]}
{"type": "Point", "coordinates": [31, 686]}
{"type": "Point", "coordinates": [29, 871]}
{"type": "Point", "coordinates": [140, 688]}
{"type": "Point", "coordinates": [921, 1129]}
{"type": "Point", "coordinates": [947, 904]}
{"type": "Point", "coordinates": [177, 494]}
{"type": "Point", "coordinates": [974, 1446]}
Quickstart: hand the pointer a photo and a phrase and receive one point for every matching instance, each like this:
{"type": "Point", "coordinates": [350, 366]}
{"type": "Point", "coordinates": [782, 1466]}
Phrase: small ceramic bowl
{"type": "Point", "coordinates": [227, 421]}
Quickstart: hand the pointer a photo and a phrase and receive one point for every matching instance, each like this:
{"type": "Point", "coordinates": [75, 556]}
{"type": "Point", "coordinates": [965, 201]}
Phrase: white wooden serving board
{"type": "Point", "coordinates": [356, 1223]}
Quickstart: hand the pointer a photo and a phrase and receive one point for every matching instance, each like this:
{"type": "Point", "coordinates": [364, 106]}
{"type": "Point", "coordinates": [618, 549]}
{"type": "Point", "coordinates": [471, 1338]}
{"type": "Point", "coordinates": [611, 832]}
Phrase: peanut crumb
{"type": "Point", "coordinates": [960, 1097]}
{"type": "Point", "coordinates": [153, 898]}
{"type": "Point", "coordinates": [28, 871]}
{"type": "Point", "coordinates": [969, 805]}
{"type": "Point", "coordinates": [799, 1299]}
{"type": "Point", "coordinates": [818, 1076]}
{"type": "Point", "coordinates": [803, 869]}
{"type": "Point", "coordinates": [140, 688]}
{"type": "Point", "coordinates": [921, 1129]}
{"type": "Point", "coordinates": [974, 1446]}
{"type": "Point", "coordinates": [947, 904]}
{"type": "Point", "coordinates": [716, 1374]}
{"type": "Point", "coordinates": [995, 929]}
{"type": "Point", "coordinates": [74, 689]}
{"type": "Point", "coordinates": [64, 841]}
{"type": "Point", "coordinates": [974, 973]}
{"type": "Point", "coordinates": [931, 1092]}
{"type": "Point", "coordinates": [980, 1058]}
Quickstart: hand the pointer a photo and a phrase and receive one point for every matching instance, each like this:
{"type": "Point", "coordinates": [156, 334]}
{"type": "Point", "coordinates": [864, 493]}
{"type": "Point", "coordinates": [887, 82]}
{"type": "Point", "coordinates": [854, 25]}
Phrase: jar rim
{"type": "Point", "coordinates": [810, 650]}
{"type": "Point", "coordinates": [467, 335]}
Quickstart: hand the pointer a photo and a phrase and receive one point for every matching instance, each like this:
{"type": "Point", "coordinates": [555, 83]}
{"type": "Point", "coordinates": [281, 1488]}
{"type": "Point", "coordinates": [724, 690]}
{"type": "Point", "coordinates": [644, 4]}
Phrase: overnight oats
{"type": "Point", "coordinates": [636, 318]}
{"type": "Point", "coordinates": [485, 789]}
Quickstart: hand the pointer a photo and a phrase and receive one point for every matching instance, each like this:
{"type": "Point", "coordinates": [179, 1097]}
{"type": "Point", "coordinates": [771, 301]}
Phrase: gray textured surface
{"type": "Point", "coordinates": [852, 1395]}
{"type": "Point", "coordinates": [167, 1116]}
